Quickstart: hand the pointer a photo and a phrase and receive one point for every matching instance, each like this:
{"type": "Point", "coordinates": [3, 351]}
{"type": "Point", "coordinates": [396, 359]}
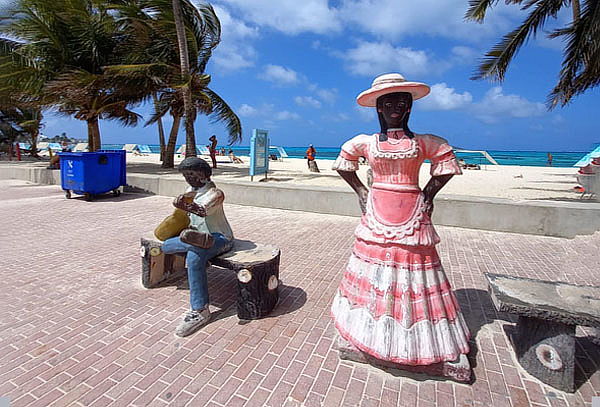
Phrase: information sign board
{"type": "Point", "coordinates": [259, 153]}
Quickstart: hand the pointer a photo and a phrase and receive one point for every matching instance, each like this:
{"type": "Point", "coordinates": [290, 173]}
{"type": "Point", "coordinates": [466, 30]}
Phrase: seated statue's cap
{"type": "Point", "coordinates": [391, 83]}
{"type": "Point", "coordinates": [196, 164]}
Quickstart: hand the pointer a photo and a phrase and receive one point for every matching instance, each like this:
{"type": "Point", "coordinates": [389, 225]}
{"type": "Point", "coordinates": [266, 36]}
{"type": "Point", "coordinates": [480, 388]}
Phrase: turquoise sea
{"type": "Point", "coordinates": [527, 158]}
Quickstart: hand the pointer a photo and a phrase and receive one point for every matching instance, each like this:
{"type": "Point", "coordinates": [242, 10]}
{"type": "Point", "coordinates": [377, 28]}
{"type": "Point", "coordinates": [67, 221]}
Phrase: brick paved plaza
{"type": "Point", "coordinates": [77, 328]}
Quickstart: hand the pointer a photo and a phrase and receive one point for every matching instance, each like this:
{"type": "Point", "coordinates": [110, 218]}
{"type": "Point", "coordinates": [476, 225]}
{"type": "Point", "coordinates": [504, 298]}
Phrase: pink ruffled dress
{"type": "Point", "coordinates": [395, 302]}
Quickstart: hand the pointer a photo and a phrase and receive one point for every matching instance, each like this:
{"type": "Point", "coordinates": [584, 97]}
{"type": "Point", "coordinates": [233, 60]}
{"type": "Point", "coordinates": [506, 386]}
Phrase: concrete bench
{"type": "Point", "coordinates": [256, 265]}
{"type": "Point", "coordinates": [544, 339]}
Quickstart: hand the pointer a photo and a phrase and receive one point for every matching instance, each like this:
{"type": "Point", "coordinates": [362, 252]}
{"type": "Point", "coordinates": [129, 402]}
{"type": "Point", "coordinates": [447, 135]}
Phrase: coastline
{"type": "Point", "coordinates": [499, 181]}
{"type": "Point", "coordinates": [514, 157]}
{"type": "Point", "coordinates": [534, 201]}
{"type": "Point", "coordinates": [514, 182]}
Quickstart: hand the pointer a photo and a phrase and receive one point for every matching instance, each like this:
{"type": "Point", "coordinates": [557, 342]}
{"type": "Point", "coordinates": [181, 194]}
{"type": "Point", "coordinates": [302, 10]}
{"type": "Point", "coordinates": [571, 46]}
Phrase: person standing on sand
{"type": "Point", "coordinates": [550, 159]}
{"type": "Point", "coordinates": [310, 157]}
{"type": "Point", "coordinates": [212, 150]}
{"type": "Point", "coordinates": [310, 154]}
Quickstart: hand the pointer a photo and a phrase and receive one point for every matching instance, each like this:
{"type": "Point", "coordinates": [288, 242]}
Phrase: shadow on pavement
{"type": "Point", "coordinates": [109, 197]}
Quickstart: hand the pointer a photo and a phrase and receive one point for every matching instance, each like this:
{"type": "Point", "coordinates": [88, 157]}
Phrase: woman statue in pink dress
{"type": "Point", "coordinates": [394, 302]}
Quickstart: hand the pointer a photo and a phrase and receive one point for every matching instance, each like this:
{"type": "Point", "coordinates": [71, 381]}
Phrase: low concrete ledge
{"type": "Point", "coordinates": [32, 173]}
{"type": "Point", "coordinates": [549, 218]}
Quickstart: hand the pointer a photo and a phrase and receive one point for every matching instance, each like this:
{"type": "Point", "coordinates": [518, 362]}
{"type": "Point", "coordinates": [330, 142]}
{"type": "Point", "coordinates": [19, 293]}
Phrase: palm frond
{"type": "Point", "coordinates": [160, 110]}
{"type": "Point", "coordinates": [478, 8]}
{"type": "Point", "coordinates": [221, 112]}
{"type": "Point", "coordinates": [581, 65]}
{"type": "Point", "coordinates": [496, 61]}
{"type": "Point", "coordinates": [120, 113]}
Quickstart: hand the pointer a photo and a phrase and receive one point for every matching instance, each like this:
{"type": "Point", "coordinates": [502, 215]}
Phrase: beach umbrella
{"type": "Point", "coordinates": [586, 159]}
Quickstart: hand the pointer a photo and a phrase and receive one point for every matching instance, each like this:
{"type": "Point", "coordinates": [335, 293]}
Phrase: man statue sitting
{"type": "Point", "coordinates": [207, 236]}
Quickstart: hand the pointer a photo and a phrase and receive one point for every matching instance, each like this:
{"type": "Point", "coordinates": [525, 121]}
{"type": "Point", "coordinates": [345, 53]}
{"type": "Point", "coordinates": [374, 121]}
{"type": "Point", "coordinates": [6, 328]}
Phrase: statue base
{"type": "Point", "coordinates": [458, 370]}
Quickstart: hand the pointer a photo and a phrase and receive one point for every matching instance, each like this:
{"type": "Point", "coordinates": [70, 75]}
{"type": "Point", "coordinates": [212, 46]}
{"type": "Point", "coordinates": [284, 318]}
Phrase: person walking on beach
{"type": "Point", "coordinates": [212, 150]}
{"type": "Point", "coordinates": [207, 236]}
{"type": "Point", "coordinates": [310, 158]}
{"type": "Point", "coordinates": [550, 159]}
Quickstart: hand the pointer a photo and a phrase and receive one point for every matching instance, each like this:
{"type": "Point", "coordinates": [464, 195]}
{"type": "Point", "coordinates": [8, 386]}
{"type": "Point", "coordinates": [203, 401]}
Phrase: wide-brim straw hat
{"type": "Point", "coordinates": [391, 83]}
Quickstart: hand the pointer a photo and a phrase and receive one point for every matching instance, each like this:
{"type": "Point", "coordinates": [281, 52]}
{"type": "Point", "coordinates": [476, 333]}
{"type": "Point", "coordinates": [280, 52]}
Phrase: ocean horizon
{"type": "Point", "coordinates": [523, 158]}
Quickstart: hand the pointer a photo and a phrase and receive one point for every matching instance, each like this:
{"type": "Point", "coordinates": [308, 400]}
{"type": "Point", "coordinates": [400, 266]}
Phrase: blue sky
{"type": "Point", "coordinates": [295, 68]}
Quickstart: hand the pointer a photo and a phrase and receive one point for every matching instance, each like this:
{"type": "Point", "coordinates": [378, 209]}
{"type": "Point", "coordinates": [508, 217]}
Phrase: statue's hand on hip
{"type": "Point", "coordinates": [363, 195]}
{"type": "Point", "coordinates": [428, 208]}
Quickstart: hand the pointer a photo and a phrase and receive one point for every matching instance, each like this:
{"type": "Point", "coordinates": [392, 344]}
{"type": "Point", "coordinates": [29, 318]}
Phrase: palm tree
{"type": "Point", "coordinates": [9, 129]}
{"type": "Point", "coordinates": [59, 57]}
{"type": "Point", "coordinates": [29, 120]}
{"type": "Point", "coordinates": [190, 112]}
{"type": "Point", "coordinates": [17, 107]}
{"type": "Point", "coordinates": [209, 18]}
{"type": "Point", "coordinates": [161, 130]}
{"type": "Point", "coordinates": [159, 64]}
{"type": "Point", "coordinates": [204, 101]}
{"type": "Point", "coordinates": [581, 62]}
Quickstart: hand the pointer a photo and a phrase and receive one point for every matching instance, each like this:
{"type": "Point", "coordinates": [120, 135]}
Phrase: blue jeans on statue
{"type": "Point", "coordinates": [196, 260]}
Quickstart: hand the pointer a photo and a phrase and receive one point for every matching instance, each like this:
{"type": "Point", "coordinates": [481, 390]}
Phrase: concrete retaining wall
{"type": "Point", "coordinates": [561, 219]}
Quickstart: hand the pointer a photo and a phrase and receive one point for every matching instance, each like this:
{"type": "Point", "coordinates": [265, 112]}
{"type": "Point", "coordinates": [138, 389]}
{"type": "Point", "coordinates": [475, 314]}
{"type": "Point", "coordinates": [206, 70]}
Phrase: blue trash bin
{"type": "Point", "coordinates": [93, 173]}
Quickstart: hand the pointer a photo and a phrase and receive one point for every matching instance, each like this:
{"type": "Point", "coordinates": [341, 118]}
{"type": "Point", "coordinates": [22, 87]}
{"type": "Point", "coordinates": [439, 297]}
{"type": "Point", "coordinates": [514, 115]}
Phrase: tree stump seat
{"type": "Point", "coordinates": [256, 265]}
{"type": "Point", "coordinates": [544, 338]}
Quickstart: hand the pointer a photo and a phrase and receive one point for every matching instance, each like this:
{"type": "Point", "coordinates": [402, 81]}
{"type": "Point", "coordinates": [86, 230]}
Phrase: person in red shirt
{"type": "Point", "coordinates": [310, 154]}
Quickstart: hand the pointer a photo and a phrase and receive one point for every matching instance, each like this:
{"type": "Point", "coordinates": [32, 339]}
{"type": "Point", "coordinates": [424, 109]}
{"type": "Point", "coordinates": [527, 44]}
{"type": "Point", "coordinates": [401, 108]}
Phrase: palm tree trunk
{"type": "Point", "coordinates": [90, 130]}
{"type": "Point", "coordinates": [169, 157]}
{"type": "Point", "coordinates": [190, 111]}
{"type": "Point", "coordinates": [576, 10]}
{"type": "Point", "coordinates": [161, 130]}
{"type": "Point", "coordinates": [93, 134]}
{"type": "Point", "coordinates": [33, 149]}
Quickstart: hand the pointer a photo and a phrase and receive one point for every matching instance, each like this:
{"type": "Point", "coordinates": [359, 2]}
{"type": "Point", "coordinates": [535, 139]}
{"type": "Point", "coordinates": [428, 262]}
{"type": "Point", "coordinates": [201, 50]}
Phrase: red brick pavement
{"type": "Point", "coordinates": [77, 328]}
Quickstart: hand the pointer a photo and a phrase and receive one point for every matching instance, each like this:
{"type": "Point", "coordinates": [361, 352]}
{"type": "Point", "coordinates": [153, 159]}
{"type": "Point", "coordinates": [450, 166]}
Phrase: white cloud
{"type": "Point", "coordinates": [387, 19]}
{"type": "Point", "coordinates": [392, 19]}
{"type": "Point", "coordinates": [307, 101]}
{"type": "Point", "coordinates": [443, 97]}
{"type": "Point", "coordinates": [326, 95]}
{"type": "Point", "coordinates": [266, 110]}
{"type": "Point", "coordinates": [279, 75]}
{"type": "Point", "coordinates": [340, 117]}
{"type": "Point", "coordinates": [496, 105]}
{"type": "Point", "coordinates": [464, 55]}
{"type": "Point", "coordinates": [247, 111]}
{"type": "Point", "coordinates": [235, 51]}
{"type": "Point", "coordinates": [289, 16]}
{"type": "Point", "coordinates": [285, 115]}
{"type": "Point", "coordinates": [375, 58]}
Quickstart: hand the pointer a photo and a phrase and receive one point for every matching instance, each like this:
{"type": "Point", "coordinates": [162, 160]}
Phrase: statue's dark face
{"type": "Point", "coordinates": [395, 108]}
{"type": "Point", "coordinates": [196, 178]}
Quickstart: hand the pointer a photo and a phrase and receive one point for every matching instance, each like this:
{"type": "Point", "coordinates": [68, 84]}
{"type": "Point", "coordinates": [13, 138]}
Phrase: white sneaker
{"type": "Point", "coordinates": [192, 321]}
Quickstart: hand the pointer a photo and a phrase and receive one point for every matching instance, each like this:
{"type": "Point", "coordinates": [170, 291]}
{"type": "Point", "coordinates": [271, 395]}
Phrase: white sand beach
{"type": "Point", "coordinates": [512, 182]}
